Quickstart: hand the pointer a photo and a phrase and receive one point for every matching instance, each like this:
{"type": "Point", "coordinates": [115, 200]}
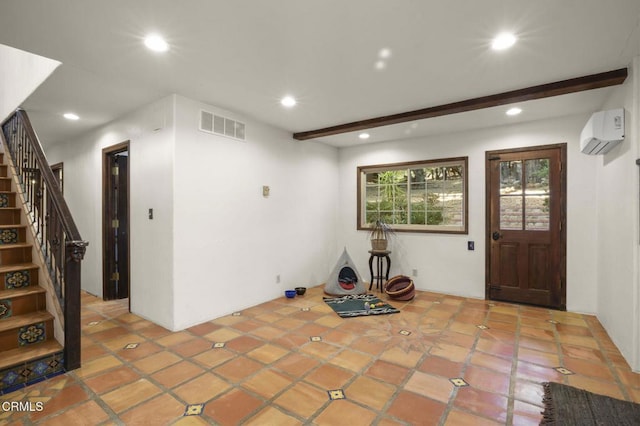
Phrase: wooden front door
{"type": "Point", "coordinates": [526, 229]}
{"type": "Point", "coordinates": [116, 223]}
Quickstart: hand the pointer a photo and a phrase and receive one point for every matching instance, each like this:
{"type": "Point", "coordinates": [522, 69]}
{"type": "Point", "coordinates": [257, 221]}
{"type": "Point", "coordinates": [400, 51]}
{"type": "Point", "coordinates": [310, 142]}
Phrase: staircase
{"type": "Point", "coordinates": [40, 254]}
{"type": "Point", "coordinates": [28, 350]}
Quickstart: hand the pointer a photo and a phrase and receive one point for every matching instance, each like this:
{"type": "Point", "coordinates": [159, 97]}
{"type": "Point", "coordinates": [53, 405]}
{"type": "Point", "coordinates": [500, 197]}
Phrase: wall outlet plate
{"type": "Point", "coordinates": [471, 245]}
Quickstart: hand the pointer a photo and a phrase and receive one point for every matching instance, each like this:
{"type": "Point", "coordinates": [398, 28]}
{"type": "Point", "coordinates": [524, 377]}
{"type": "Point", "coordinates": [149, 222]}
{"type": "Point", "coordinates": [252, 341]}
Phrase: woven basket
{"type": "Point", "coordinates": [400, 287]}
{"type": "Point", "coordinates": [379, 245]}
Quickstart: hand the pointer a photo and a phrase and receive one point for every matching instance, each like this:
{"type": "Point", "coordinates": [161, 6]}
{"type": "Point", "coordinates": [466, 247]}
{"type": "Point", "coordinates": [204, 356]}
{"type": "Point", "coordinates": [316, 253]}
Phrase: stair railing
{"type": "Point", "coordinates": [62, 247]}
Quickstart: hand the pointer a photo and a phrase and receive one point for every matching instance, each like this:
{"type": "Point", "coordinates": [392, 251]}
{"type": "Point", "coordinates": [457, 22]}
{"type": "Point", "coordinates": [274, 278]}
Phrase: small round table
{"type": "Point", "coordinates": [380, 255]}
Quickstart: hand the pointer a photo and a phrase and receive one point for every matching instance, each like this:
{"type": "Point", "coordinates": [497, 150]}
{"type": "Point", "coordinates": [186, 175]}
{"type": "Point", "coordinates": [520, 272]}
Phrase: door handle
{"type": "Point", "coordinates": [496, 236]}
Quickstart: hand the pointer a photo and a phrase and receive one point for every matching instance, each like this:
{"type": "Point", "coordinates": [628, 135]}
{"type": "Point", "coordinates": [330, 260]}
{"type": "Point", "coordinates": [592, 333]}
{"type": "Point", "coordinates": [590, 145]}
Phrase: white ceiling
{"type": "Point", "coordinates": [244, 55]}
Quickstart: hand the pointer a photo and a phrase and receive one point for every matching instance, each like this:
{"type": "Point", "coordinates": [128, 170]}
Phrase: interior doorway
{"type": "Point", "coordinates": [115, 222]}
{"type": "Point", "coordinates": [58, 173]}
{"type": "Point", "coordinates": [526, 225]}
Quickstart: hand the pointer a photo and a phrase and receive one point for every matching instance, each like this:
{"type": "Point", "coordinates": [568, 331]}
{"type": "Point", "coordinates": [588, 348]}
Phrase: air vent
{"type": "Point", "coordinates": [223, 126]}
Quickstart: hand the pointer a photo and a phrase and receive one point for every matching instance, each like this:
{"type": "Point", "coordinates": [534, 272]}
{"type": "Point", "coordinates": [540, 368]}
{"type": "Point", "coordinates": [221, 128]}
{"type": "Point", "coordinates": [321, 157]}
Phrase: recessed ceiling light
{"type": "Point", "coordinates": [364, 135]}
{"type": "Point", "coordinates": [288, 101]}
{"type": "Point", "coordinates": [380, 65]}
{"type": "Point", "coordinates": [156, 43]}
{"type": "Point", "coordinates": [503, 41]}
{"type": "Point", "coordinates": [514, 111]}
{"type": "Point", "coordinates": [70, 116]}
{"type": "Point", "coordinates": [384, 53]}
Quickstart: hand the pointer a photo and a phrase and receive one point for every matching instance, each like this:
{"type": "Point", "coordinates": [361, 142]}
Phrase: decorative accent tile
{"type": "Point", "coordinates": [17, 279]}
{"type": "Point", "coordinates": [19, 376]}
{"type": "Point", "coordinates": [336, 394]}
{"type": "Point", "coordinates": [30, 334]}
{"type": "Point", "coordinates": [92, 323]}
{"type": "Point", "coordinates": [436, 302]}
{"type": "Point", "coordinates": [9, 378]}
{"type": "Point", "coordinates": [218, 345]}
{"type": "Point", "coordinates": [9, 236]}
{"type": "Point", "coordinates": [5, 308]}
{"type": "Point", "coordinates": [553, 321]}
{"type": "Point", "coordinates": [482, 327]}
{"type": "Point", "coordinates": [4, 200]}
{"type": "Point", "coordinates": [315, 339]}
{"type": "Point", "coordinates": [564, 371]}
{"type": "Point", "coordinates": [131, 346]}
{"type": "Point", "coordinates": [236, 314]}
{"type": "Point", "coordinates": [305, 309]}
{"type": "Point", "coordinates": [194, 410]}
{"type": "Point", "coordinates": [459, 382]}
{"type": "Point", "coordinates": [491, 304]}
{"type": "Point", "coordinates": [404, 332]}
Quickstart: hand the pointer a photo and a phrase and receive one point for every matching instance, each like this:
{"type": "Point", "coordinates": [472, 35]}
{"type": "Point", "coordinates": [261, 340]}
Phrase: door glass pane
{"type": "Point", "coordinates": [510, 177]}
{"type": "Point", "coordinates": [511, 212]}
{"type": "Point", "coordinates": [537, 194]}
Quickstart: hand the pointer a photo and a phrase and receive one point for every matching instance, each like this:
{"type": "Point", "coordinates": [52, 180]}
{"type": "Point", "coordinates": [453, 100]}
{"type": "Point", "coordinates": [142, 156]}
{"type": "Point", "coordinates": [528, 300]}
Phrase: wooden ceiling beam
{"type": "Point", "coordinates": [579, 84]}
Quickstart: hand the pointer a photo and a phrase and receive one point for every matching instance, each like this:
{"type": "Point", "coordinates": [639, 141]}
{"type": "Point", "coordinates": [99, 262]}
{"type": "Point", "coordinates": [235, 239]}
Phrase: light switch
{"type": "Point", "coordinates": [150, 214]}
{"type": "Point", "coordinates": [265, 191]}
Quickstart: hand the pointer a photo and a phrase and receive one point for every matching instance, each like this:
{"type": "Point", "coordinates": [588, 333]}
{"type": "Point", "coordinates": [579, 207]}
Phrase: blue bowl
{"type": "Point", "coordinates": [290, 293]}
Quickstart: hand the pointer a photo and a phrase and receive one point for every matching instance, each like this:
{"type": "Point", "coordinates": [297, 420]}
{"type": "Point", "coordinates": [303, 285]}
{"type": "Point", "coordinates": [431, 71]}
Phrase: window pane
{"type": "Point", "coordinates": [511, 212]}
{"type": "Point", "coordinates": [537, 176]}
{"type": "Point", "coordinates": [510, 177]}
{"type": "Point", "coordinates": [537, 212]}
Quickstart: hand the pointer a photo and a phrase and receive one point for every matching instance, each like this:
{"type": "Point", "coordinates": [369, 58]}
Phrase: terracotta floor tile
{"type": "Point", "coordinates": [97, 365]}
{"type": "Point", "coordinates": [89, 413]}
{"type": "Point", "coordinates": [111, 379]}
{"type": "Point", "coordinates": [344, 412]}
{"type": "Point", "coordinates": [268, 332]}
{"type": "Point", "coordinates": [320, 350]}
{"type": "Point", "coordinates": [160, 410]}
{"type": "Point", "coordinates": [483, 403]}
{"type": "Point", "coordinates": [538, 333]}
{"type": "Point", "coordinates": [370, 392]}
{"type": "Point", "coordinates": [416, 410]}
{"type": "Point", "coordinates": [63, 399]}
{"type": "Point", "coordinates": [587, 354]}
{"type": "Point", "coordinates": [453, 338]}
{"type": "Point", "coordinates": [451, 352]}
{"type": "Point", "coordinates": [538, 344]}
{"type": "Point", "coordinates": [401, 357]}
{"type": "Point", "coordinates": [91, 352]}
{"type": "Point", "coordinates": [156, 362]}
{"type": "Point", "coordinates": [272, 416]}
{"type": "Point", "coordinates": [143, 350]}
{"type": "Point", "coordinates": [592, 369]}
{"type": "Point", "coordinates": [175, 338]}
{"type": "Point", "coordinates": [530, 392]}
{"type": "Point", "coordinates": [289, 324]}
{"type": "Point", "coordinates": [204, 328]}
{"type": "Point", "coordinates": [267, 383]}
{"type": "Point", "coordinates": [244, 344]}
{"type": "Point", "coordinates": [541, 358]}
{"type": "Point", "coordinates": [177, 373]}
{"type": "Point", "coordinates": [460, 418]}
{"type": "Point", "coordinates": [628, 377]}
{"type": "Point", "coordinates": [247, 325]}
{"type": "Point", "coordinates": [291, 341]}
{"type": "Point", "coordinates": [491, 362]}
{"type": "Point", "coordinates": [230, 408]}
{"type": "Point", "coordinates": [588, 342]}
{"type": "Point", "coordinates": [339, 337]}
{"type": "Point", "coordinates": [434, 387]}
{"type": "Point", "coordinates": [192, 347]}
{"type": "Point", "coordinates": [468, 328]}
{"type": "Point", "coordinates": [368, 345]}
{"type": "Point", "coordinates": [296, 365]}
{"type": "Point", "coordinates": [222, 335]}
{"type": "Point", "coordinates": [329, 377]}
{"type": "Point", "coordinates": [302, 399]}
{"type": "Point", "coordinates": [330, 321]}
{"type": "Point", "coordinates": [267, 353]}
{"type": "Point", "coordinates": [490, 346]}
{"type": "Point", "coordinates": [154, 331]}
{"type": "Point", "coordinates": [213, 357]}
{"type": "Point", "coordinates": [526, 413]}
{"type": "Point", "coordinates": [129, 395]}
{"type": "Point", "coordinates": [537, 373]}
{"type": "Point", "coordinates": [237, 369]}
{"type": "Point", "coordinates": [566, 329]}
{"type": "Point", "coordinates": [387, 372]}
{"type": "Point", "coordinates": [487, 380]}
{"type": "Point", "coordinates": [201, 389]}
{"type": "Point", "coordinates": [351, 360]}
{"type": "Point", "coordinates": [228, 320]}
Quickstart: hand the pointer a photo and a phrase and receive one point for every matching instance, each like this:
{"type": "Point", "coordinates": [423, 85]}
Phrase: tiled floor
{"type": "Point", "coordinates": [443, 360]}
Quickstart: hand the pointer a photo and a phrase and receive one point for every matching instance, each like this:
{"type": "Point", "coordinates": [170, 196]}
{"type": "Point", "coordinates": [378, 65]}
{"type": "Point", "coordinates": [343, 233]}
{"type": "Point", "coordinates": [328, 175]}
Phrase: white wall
{"type": "Point", "coordinates": [444, 264]}
{"type": "Point", "coordinates": [20, 74]}
{"type": "Point", "coordinates": [617, 192]}
{"type": "Point", "coordinates": [230, 242]}
{"type": "Point", "coordinates": [151, 185]}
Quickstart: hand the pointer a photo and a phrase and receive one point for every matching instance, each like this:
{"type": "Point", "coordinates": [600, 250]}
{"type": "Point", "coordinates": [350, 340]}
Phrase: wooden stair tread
{"type": "Point", "coordinates": [15, 245]}
{"type": "Point", "coordinates": [25, 319]}
{"type": "Point", "coordinates": [12, 226]}
{"type": "Point", "coordinates": [18, 267]}
{"type": "Point", "coordinates": [27, 353]}
{"type": "Point", "coordinates": [19, 292]}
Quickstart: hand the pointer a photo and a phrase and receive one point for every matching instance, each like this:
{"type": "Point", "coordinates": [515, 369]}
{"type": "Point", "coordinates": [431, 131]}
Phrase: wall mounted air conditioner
{"type": "Point", "coordinates": [603, 131]}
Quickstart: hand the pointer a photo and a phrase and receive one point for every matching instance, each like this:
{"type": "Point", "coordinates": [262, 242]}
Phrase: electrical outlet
{"type": "Point", "coordinates": [471, 245]}
{"type": "Point", "coordinates": [415, 272]}
{"type": "Point", "coordinates": [278, 279]}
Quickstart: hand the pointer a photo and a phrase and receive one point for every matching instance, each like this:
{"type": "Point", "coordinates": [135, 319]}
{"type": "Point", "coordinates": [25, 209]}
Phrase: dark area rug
{"type": "Point", "coordinates": [354, 305]}
{"type": "Point", "coordinates": [567, 406]}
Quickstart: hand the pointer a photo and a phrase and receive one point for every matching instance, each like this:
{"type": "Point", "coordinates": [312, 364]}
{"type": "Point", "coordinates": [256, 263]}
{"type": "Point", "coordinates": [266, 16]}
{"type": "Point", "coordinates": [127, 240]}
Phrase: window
{"type": "Point", "coordinates": [420, 196]}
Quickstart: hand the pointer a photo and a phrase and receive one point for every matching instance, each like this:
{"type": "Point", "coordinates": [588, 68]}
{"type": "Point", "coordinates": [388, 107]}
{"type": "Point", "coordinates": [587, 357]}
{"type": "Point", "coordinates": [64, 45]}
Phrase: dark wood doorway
{"type": "Point", "coordinates": [526, 225]}
{"type": "Point", "coordinates": [115, 223]}
{"type": "Point", "coordinates": [58, 172]}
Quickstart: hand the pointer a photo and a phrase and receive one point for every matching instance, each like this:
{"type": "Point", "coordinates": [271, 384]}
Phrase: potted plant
{"type": "Point", "coordinates": [380, 235]}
